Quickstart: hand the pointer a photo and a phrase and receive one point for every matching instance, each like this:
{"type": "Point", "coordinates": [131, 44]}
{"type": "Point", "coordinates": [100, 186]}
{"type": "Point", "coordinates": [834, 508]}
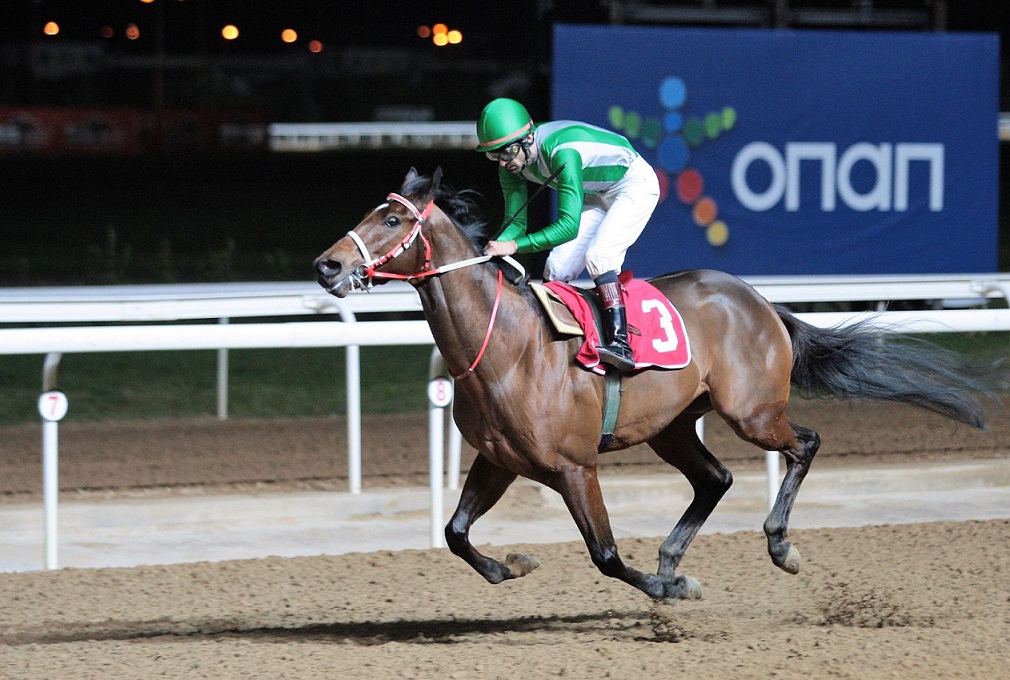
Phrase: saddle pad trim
{"type": "Point", "coordinates": [547, 299]}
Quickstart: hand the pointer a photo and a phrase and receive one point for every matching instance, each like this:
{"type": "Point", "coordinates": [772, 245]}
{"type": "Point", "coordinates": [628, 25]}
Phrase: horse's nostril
{"type": "Point", "coordinates": [328, 267]}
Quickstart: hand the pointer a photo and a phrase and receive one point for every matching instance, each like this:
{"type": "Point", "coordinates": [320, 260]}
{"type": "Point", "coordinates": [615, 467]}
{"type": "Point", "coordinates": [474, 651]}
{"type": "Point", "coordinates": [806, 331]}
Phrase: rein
{"type": "Point", "coordinates": [368, 269]}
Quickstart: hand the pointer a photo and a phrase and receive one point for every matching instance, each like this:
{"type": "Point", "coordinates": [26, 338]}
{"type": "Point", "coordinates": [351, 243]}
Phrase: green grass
{"type": "Point", "coordinates": [263, 383]}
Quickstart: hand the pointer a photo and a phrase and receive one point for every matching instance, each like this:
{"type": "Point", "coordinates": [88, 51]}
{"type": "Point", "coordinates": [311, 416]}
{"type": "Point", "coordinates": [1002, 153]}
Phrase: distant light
{"type": "Point", "coordinates": [132, 32]}
{"type": "Point", "coordinates": [51, 28]}
{"type": "Point", "coordinates": [289, 35]}
{"type": "Point", "coordinates": [424, 32]}
{"type": "Point", "coordinates": [229, 32]}
{"type": "Point", "coordinates": [315, 46]}
{"type": "Point", "coordinates": [147, 2]}
{"type": "Point", "coordinates": [107, 31]}
{"type": "Point", "coordinates": [442, 36]}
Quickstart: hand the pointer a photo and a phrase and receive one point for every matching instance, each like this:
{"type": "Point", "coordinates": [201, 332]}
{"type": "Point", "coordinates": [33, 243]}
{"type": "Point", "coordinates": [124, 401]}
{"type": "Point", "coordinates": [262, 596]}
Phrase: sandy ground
{"type": "Point", "coordinates": [908, 601]}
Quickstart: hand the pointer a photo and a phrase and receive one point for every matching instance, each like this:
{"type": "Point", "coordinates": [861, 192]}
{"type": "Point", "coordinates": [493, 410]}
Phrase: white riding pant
{"type": "Point", "coordinates": [610, 223]}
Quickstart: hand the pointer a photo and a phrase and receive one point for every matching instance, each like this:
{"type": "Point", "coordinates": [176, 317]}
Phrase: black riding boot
{"type": "Point", "coordinates": [617, 351]}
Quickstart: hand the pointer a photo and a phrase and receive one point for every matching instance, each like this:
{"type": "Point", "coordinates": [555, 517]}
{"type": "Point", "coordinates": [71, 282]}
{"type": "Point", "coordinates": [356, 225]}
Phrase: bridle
{"type": "Point", "coordinates": [368, 270]}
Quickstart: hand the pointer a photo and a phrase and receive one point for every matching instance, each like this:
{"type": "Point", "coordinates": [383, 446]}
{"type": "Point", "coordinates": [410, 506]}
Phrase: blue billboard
{"type": "Point", "coordinates": [799, 152]}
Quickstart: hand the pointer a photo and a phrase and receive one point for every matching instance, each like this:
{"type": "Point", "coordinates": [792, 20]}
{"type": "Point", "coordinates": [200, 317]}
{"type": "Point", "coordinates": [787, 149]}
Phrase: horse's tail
{"type": "Point", "coordinates": [859, 362]}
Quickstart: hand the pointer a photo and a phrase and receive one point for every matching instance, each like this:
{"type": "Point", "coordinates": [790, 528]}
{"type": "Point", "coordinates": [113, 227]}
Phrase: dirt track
{"type": "Point", "coordinates": [914, 601]}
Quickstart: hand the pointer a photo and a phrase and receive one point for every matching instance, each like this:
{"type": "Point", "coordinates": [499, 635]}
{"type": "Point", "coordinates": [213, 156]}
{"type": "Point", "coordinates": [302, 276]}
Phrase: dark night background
{"type": "Point", "coordinates": [214, 214]}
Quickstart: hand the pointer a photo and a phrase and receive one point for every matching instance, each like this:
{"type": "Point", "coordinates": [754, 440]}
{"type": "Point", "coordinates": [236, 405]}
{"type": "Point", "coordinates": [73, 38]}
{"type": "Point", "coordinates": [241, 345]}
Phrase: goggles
{"type": "Point", "coordinates": [506, 153]}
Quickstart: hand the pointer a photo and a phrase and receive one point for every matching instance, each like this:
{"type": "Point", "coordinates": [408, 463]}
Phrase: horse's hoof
{"type": "Point", "coordinates": [520, 565]}
{"type": "Point", "coordinates": [692, 588]}
{"type": "Point", "coordinates": [791, 563]}
{"type": "Point", "coordinates": [683, 588]}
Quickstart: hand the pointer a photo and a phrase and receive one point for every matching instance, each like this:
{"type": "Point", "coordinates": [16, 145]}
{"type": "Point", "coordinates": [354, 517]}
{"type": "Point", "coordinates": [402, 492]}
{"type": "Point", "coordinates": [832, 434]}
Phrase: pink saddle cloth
{"type": "Point", "coordinates": [661, 340]}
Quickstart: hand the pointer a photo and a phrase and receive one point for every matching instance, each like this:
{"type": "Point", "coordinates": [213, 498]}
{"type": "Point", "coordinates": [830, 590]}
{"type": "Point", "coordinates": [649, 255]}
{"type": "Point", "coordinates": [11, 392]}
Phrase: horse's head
{"type": "Point", "coordinates": [381, 245]}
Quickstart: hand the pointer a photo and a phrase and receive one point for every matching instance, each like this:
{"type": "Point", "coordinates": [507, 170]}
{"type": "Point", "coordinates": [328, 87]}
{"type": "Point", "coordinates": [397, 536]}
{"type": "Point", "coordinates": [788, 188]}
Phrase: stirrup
{"type": "Point", "coordinates": [617, 356]}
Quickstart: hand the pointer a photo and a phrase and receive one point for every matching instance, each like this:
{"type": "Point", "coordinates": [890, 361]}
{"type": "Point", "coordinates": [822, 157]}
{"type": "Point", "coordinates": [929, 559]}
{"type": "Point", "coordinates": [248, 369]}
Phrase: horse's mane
{"type": "Point", "coordinates": [461, 207]}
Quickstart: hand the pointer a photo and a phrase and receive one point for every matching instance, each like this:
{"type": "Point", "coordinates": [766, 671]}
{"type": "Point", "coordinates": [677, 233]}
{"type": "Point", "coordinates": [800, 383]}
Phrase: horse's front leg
{"type": "Point", "coordinates": [580, 488]}
{"type": "Point", "coordinates": [484, 486]}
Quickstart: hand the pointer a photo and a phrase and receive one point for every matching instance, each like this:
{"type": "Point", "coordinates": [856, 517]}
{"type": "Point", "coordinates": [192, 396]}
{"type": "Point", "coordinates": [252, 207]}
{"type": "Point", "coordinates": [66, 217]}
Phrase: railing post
{"type": "Point", "coordinates": [440, 393]}
{"type": "Point", "coordinates": [352, 363]}
{"type": "Point", "coordinates": [222, 379]}
{"type": "Point", "coordinates": [52, 408]}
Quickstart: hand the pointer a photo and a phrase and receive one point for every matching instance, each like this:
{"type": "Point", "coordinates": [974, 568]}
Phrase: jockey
{"type": "Point", "coordinates": [606, 195]}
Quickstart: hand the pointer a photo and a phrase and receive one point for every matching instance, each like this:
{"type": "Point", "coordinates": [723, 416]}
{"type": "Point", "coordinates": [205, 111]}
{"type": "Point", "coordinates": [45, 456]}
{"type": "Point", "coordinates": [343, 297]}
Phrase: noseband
{"type": "Point", "coordinates": [366, 271]}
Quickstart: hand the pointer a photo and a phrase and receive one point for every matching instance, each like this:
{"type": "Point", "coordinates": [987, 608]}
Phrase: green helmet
{"type": "Point", "coordinates": [502, 122]}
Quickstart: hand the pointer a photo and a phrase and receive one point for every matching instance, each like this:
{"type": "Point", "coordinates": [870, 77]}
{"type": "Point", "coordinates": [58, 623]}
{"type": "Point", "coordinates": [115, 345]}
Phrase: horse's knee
{"type": "Point", "coordinates": [721, 481]}
{"type": "Point", "coordinates": [607, 560]}
{"type": "Point", "coordinates": [456, 538]}
{"type": "Point", "coordinates": [711, 482]}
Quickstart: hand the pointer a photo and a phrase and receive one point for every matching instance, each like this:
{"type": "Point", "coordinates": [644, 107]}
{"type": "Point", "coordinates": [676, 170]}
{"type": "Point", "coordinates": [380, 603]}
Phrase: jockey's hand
{"type": "Point", "coordinates": [500, 248]}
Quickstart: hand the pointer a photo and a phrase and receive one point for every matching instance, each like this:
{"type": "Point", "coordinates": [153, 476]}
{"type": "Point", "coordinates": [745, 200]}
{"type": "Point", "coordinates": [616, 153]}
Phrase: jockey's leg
{"type": "Point", "coordinates": [627, 209]}
{"type": "Point", "coordinates": [617, 350]}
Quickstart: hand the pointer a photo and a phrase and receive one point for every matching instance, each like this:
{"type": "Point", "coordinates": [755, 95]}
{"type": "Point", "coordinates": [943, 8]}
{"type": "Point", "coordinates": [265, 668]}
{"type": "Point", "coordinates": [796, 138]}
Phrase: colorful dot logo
{"type": "Point", "coordinates": [674, 138]}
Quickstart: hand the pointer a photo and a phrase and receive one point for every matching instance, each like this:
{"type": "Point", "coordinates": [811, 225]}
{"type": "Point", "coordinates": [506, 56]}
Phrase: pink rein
{"type": "Point", "coordinates": [369, 267]}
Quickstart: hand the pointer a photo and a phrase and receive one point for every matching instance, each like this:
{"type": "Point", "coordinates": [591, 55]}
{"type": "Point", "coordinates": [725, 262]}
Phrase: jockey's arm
{"type": "Point", "coordinates": [570, 197]}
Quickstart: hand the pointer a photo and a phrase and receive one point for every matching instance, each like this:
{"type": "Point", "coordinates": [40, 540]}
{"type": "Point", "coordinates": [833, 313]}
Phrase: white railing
{"type": "Point", "coordinates": [189, 302]}
{"type": "Point", "coordinates": [330, 136]}
{"type": "Point", "coordinates": [309, 137]}
{"type": "Point", "coordinates": [120, 307]}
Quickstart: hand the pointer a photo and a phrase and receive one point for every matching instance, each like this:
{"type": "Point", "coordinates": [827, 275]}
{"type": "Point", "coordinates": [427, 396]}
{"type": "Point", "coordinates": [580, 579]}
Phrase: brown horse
{"type": "Point", "coordinates": [528, 409]}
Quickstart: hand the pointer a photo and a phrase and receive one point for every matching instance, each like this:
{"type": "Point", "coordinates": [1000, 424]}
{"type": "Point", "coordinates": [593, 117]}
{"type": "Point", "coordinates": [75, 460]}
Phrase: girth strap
{"type": "Point", "coordinates": [612, 392]}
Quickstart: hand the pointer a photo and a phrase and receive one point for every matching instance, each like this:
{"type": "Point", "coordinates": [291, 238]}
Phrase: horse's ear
{"type": "Point", "coordinates": [411, 176]}
{"type": "Point", "coordinates": [432, 185]}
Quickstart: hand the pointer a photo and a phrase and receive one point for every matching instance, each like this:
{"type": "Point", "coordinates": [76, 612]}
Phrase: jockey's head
{"type": "Point", "coordinates": [505, 130]}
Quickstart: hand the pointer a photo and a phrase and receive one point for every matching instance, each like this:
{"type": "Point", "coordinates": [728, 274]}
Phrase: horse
{"type": "Point", "coordinates": [528, 409]}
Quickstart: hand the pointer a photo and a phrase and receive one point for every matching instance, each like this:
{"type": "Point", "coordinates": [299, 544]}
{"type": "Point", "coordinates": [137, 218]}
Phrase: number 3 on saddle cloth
{"type": "Point", "coordinates": [655, 328]}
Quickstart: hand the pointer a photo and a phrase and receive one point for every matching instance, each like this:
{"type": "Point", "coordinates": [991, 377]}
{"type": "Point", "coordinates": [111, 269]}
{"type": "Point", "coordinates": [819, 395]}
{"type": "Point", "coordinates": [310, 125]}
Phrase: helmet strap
{"type": "Point", "coordinates": [527, 144]}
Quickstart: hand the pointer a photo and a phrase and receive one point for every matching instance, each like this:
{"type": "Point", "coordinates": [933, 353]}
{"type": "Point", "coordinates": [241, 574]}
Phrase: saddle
{"type": "Point", "coordinates": [656, 330]}
{"type": "Point", "coordinates": [659, 339]}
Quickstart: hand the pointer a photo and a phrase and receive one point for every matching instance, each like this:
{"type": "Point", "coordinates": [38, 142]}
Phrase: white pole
{"type": "Point", "coordinates": [52, 407]}
{"type": "Point", "coordinates": [436, 368]}
{"type": "Point", "coordinates": [50, 491]}
{"type": "Point", "coordinates": [353, 360]}
{"type": "Point", "coordinates": [772, 464]}
{"type": "Point", "coordinates": [222, 379]}
{"type": "Point", "coordinates": [455, 447]}
{"type": "Point", "coordinates": [435, 468]}
{"type": "Point", "coordinates": [440, 391]}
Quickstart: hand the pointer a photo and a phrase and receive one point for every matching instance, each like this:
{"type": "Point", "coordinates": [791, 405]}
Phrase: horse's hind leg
{"type": "Point", "coordinates": [580, 488]}
{"type": "Point", "coordinates": [680, 446]}
{"type": "Point", "coordinates": [484, 486]}
{"type": "Point", "coordinates": [798, 458]}
{"type": "Point", "coordinates": [768, 428]}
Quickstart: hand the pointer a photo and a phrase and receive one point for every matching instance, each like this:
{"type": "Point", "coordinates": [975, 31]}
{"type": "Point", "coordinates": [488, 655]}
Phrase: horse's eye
{"type": "Point", "coordinates": [392, 221]}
